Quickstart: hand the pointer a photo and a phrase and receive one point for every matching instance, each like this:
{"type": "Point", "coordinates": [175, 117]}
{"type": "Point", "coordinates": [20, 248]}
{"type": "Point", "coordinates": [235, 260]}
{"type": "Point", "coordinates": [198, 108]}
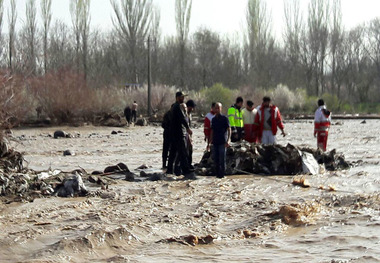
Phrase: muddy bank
{"type": "Point", "coordinates": [249, 218]}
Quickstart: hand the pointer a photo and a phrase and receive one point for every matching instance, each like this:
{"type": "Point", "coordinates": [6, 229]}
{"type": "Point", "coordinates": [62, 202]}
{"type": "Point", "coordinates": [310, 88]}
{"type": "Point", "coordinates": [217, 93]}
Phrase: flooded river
{"type": "Point", "coordinates": [250, 218]}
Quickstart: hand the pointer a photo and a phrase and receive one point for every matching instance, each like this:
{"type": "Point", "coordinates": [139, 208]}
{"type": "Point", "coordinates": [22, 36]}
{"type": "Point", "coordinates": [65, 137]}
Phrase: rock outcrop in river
{"type": "Point", "coordinates": [273, 160]}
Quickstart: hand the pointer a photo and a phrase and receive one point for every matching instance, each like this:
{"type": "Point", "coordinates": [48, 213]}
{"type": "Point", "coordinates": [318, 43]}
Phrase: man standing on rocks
{"type": "Point", "coordinates": [179, 128]}
{"type": "Point", "coordinates": [220, 138]}
{"type": "Point", "coordinates": [322, 121]}
{"type": "Point", "coordinates": [267, 119]}
{"type": "Point", "coordinates": [134, 111]}
{"type": "Point", "coordinates": [249, 114]}
{"type": "Point", "coordinates": [236, 120]}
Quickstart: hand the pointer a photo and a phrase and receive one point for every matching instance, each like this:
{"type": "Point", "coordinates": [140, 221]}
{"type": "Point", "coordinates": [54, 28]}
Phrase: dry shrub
{"type": "Point", "coordinates": [162, 97]}
{"type": "Point", "coordinates": [106, 100]}
{"type": "Point", "coordinates": [255, 95]}
{"type": "Point", "coordinates": [283, 97]}
{"type": "Point", "coordinates": [63, 95]}
{"type": "Point", "coordinates": [15, 100]}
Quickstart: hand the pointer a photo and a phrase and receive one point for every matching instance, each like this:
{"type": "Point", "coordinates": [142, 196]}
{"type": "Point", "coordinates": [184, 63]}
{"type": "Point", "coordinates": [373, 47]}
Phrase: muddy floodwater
{"type": "Point", "coordinates": [249, 218]}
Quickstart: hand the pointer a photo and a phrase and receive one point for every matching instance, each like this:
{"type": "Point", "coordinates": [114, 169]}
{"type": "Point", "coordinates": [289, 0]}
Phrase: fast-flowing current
{"type": "Point", "coordinates": [249, 218]}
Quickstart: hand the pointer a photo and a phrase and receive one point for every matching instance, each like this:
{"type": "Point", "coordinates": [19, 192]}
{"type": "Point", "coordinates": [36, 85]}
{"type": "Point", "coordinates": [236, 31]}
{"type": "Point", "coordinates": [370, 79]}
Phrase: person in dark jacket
{"type": "Point", "coordinates": [167, 138]}
{"type": "Point", "coordinates": [180, 129]}
{"type": "Point", "coordinates": [220, 139]}
{"type": "Point", "coordinates": [128, 114]}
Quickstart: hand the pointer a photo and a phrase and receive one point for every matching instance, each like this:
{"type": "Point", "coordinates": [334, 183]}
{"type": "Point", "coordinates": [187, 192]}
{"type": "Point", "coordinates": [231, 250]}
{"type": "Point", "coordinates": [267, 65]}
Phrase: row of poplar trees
{"type": "Point", "coordinates": [315, 53]}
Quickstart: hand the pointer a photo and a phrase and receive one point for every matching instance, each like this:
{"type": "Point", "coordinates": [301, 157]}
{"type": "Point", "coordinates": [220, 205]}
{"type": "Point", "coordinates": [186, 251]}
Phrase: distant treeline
{"type": "Point", "coordinates": [317, 54]}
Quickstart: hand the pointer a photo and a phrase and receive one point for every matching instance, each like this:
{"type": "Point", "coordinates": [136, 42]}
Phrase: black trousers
{"type": "Point", "coordinates": [166, 148]}
{"type": "Point", "coordinates": [134, 115]}
{"type": "Point", "coordinates": [178, 150]}
{"type": "Point", "coordinates": [237, 136]}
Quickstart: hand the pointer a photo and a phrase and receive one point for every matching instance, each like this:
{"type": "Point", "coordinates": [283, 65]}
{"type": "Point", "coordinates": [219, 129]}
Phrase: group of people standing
{"type": "Point", "coordinates": [254, 125]}
{"type": "Point", "coordinates": [130, 113]}
{"type": "Point", "coordinates": [177, 148]}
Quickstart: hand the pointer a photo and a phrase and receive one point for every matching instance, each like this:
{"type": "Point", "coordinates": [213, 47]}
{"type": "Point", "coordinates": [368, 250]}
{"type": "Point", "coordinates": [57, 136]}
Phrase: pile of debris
{"type": "Point", "coordinates": [273, 160]}
{"type": "Point", "coordinates": [110, 120]}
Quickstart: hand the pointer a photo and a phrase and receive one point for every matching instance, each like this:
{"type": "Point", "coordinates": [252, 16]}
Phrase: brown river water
{"type": "Point", "coordinates": [133, 221]}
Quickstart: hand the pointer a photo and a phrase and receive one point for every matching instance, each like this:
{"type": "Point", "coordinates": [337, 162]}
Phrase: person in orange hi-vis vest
{"type": "Point", "coordinates": [322, 121]}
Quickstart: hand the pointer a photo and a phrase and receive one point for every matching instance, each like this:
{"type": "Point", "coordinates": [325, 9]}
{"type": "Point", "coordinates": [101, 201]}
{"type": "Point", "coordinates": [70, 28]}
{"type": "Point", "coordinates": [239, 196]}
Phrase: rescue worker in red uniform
{"type": "Point", "coordinates": [267, 119]}
{"type": "Point", "coordinates": [249, 114]}
{"type": "Point", "coordinates": [322, 121]}
{"type": "Point", "coordinates": [207, 123]}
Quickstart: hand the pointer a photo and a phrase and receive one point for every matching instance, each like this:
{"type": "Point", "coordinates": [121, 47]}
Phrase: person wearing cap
{"type": "Point", "coordinates": [207, 123]}
{"type": "Point", "coordinates": [179, 128]}
{"type": "Point", "coordinates": [267, 119]}
{"type": "Point", "coordinates": [249, 114]}
{"type": "Point", "coordinates": [236, 119]}
{"type": "Point", "coordinates": [322, 122]}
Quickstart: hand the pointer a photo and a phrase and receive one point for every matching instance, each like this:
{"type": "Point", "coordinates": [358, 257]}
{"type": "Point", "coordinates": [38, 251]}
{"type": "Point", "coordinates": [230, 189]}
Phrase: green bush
{"type": "Point", "coordinates": [331, 101]}
{"type": "Point", "coordinates": [219, 93]}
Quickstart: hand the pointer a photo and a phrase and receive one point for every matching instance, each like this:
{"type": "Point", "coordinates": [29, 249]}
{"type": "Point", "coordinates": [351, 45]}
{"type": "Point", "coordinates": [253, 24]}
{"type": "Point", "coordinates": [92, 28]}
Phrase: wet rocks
{"type": "Point", "coordinates": [71, 186]}
{"type": "Point", "coordinates": [141, 122]}
{"type": "Point", "coordinates": [110, 120]}
{"type": "Point", "coordinates": [61, 134]}
{"type": "Point", "coordinates": [68, 152]}
{"type": "Point", "coordinates": [118, 168]}
{"type": "Point", "coordinates": [191, 240]}
{"type": "Point", "coordinates": [273, 160]}
{"type": "Point", "coordinates": [9, 158]}
{"type": "Point", "coordinates": [296, 214]}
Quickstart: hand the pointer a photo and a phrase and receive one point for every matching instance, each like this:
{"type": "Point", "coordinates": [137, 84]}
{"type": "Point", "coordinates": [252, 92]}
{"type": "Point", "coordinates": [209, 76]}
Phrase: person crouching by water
{"type": "Point", "coordinates": [220, 138]}
{"type": "Point", "coordinates": [267, 119]}
{"type": "Point", "coordinates": [179, 128]}
{"type": "Point", "coordinates": [322, 121]}
{"type": "Point", "coordinates": [249, 114]}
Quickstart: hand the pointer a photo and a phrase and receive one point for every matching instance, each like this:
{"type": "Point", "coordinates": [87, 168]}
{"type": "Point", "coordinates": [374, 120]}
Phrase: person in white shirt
{"type": "Point", "coordinates": [322, 122]}
{"type": "Point", "coordinates": [249, 114]}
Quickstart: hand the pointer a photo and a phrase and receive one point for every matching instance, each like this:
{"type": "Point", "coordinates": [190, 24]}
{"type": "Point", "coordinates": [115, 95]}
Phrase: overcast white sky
{"type": "Point", "coordinates": [222, 16]}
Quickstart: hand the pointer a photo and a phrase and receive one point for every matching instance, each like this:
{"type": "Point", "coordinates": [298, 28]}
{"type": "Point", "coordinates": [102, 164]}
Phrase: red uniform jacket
{"type": "Point", "coordinates": [275, 118]}
{"type": "Point", "coordinates": [207, 124]}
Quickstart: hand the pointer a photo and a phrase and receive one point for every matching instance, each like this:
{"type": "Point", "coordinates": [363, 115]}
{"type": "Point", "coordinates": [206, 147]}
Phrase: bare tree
{"type": "Point", "coordinates": [85, 30]}
{"type": "Point", "coordinates": [259, 40]}
{"type": "Point", "coordinates": [182, 17]}
{"type": "Point", "coordinates": [206, 48]}
{"type": "Point", "coordinates": [361, 72]}
{"type": "Point", "coordinates": [31, 29]}
{"type": "Point", "coordinates": [336, 43]}
{"type": "Point", "coordinates": [155, 36]}
{"type": "Point", "coordinates": [132, 21]}
{"type": "Point", "coordinates": [1, 24]}
{"type": "Point", "coordinates": [292, 40]}
{"type": "Point", "coordinates": [318, 40]}
{"type": "Point", "coordinates": [46, 20]}
{"type": "Point", "coordinates": [75, 11]}
{"type": "Point", "coordinates": [12, 18]}
{"type": "Point", "coordinates": [374, 42]}
{"type": "Point", "coordinates": [61, 48]}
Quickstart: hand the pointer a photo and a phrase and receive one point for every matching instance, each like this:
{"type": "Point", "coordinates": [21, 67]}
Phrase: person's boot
{"type": "Point", "coordinates": [190, 176]}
